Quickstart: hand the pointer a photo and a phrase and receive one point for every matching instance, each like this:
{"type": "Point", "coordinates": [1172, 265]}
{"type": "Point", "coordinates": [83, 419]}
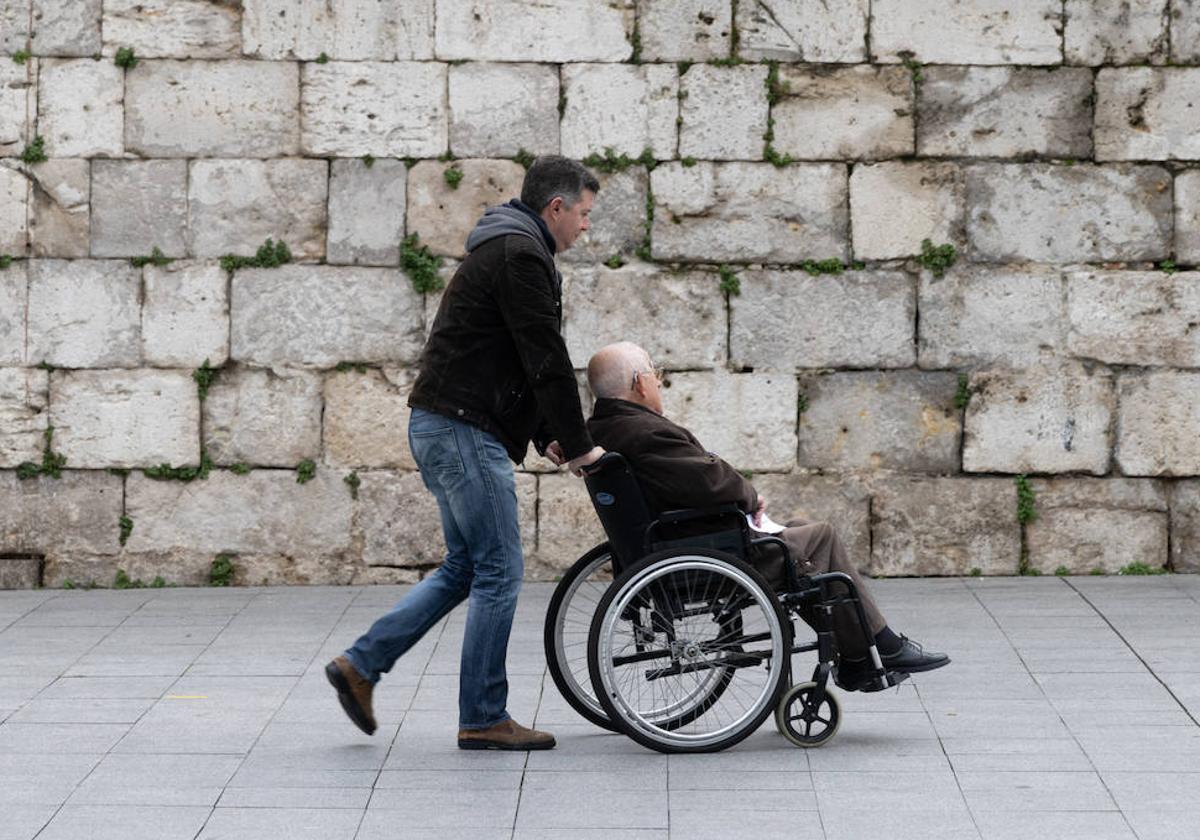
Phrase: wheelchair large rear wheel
{"type": "Point", "coordinates": [689, 651]}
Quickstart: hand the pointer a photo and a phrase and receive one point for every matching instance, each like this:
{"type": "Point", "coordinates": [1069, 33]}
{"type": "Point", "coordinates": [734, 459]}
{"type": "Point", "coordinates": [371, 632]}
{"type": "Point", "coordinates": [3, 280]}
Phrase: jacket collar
{"type": "Point", "coordinates": [541, 223]}
{"type": "Point", "coordinates": [609, 407]}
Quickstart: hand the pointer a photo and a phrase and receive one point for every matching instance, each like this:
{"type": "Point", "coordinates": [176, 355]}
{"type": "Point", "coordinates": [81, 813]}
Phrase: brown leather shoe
{"type": "Point", "coordinates": [508, 735]}
{"type": "Point", "coordinates": [354, 692]}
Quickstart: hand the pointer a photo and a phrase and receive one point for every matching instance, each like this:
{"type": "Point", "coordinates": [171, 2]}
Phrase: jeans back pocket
{"type": "Point", "coordinates": [436, 453]}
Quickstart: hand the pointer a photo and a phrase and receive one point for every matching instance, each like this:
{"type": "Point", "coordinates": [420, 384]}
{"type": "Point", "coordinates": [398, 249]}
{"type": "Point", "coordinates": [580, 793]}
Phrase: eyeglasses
{"type": "Point", "coordinates": [657, 371]}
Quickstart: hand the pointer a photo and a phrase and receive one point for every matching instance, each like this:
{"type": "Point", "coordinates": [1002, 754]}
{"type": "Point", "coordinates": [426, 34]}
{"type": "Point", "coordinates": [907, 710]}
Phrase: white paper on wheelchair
{"type": "Point", "coordinates": [766, 526]}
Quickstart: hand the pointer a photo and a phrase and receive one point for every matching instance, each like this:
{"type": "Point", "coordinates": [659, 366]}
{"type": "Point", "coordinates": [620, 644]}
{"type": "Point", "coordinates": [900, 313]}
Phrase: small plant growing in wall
{"type": "Point", "coordinates": [353, 482]}
{"type": "Point", "coordinates": [1137, 567]}
{"type": "Point", "coordinates": [962, 397]}
{"type": "Point", "coordinates": [1026, 501]}
{"type": "Point", "coordinates": [35, 152]}
{"type": "Point", "coordinates": [420, 265]}
{"type": "Point", "coordinates": [125, 58]}
{"type": "Point", "coordinates": [156, 257]}
{"type": "Point", "coordinates": [937, 258]}
{"type": "Point", "coordinates": [611, 162]}
{"type": "Point", "coordinates": [5, 261]}
{"type": "Point", "coordinates": [52, 462]}
{"type": "Point", "coordinates": [204, 376]}
{"type": "Point", "coordinates": [220, 573]}
{"type": "Point", "coordinates": [305, 471]}
{"type": "Point", "coordinates": [525, 158]}
{"type": "Point", "coordinates": [731, 284]}
{"type": "Point", "coordinates": [1168, 267]}
{"type": "Point", "coordinates": [368, 161]}
{"type": "Point", "coordinates": [453, 176]}
{"type": "Point", "coordinates": [270, 254]}
{"type": "Point", "coordinates": [615, 261]}
{"type": "Point", "coordinates": [165, 472]}
{"type": "Point", "coordinates": [240, 469]}
{"type": "Point", "coordinates": [21, 56]}
{"type": "Point", "coordinates": [322, 59]}
{"type": "Point", "coordinates": [126, 526]}
{"type": "Point", "coordinates": [643, 251]}
{"type": "Point", "coordinates": [818, 267]}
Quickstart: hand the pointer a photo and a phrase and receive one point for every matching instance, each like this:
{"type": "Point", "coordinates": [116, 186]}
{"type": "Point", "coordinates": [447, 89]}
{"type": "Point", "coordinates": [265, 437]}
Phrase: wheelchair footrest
{"type": "Point", "coordinates": [884, 681]}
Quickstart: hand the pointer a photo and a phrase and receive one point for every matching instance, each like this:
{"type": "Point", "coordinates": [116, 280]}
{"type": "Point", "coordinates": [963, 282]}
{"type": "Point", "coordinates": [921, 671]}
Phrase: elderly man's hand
{"type": "Point", "coordinates": [554, 453]}
{"type": "Point", "coordinates": [759, 511]}
{"type": "Point", "coordinates": [576, 465]}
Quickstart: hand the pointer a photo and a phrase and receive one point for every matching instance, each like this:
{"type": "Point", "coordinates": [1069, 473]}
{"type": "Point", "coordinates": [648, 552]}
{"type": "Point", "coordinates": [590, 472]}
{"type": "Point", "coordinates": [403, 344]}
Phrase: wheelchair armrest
{"type": "Point", "coordinates": [673, 517]}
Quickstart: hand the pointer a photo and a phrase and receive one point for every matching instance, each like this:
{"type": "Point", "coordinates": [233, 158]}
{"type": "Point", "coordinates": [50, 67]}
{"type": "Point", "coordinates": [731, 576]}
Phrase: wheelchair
{"type": "Point", "coordinates": [667, 632]}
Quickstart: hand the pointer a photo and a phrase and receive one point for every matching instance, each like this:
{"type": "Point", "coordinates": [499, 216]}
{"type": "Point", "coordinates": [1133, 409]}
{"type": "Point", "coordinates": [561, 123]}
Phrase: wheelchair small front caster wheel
{"type": "Point", "coordinates": [804, 723]}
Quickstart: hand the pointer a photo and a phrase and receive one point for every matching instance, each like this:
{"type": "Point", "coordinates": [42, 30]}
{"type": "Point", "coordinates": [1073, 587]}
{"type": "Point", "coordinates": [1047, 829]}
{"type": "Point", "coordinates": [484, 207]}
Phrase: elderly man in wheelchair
{"type": "Point", "coordinates": [678, 631]}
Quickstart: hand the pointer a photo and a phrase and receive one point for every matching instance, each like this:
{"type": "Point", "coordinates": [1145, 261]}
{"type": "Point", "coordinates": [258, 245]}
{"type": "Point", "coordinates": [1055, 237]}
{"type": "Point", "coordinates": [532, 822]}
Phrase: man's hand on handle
{"type": "Point", "coordinates": [554, 453]}
{"type": "Point", "coordinates": [577, 465]}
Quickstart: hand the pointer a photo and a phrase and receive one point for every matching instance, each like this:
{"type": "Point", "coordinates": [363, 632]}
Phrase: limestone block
{"type": "Point", "coordinates": [1115, 31]}
{"type": "Point", "coordinates": [679, 317]}
{"type": "Point", "coordinates": [113, 418]}
{"type": "Point", "coordinates": [185, 315]}
{"type": "Point", "coordinates": [173, 28]}
{"type": "Point", "coordinates": [213, 109]}
{"type": "Point", "coordinates": [233, 206]}
{"type": "Point", "coordinates": [24, 397]}
{"type": "Point", "coordinates": [139, 205]}
{"type": "Point", "coordinates": [20, 572]}
{"type": "Point", "coordinates": [366, 212]}
{"type": "Point", "coordinates": [1087, 524]}
{"type": "Point", "coordinates": [347, 29]}
{"type": "Point", "coordinates": [84, 313]}
{"type": "Point", "coordinates": [1053, 213]}
{"type": "Point", "coordinates": [749, 419]}
{"type": "Point", "coordinates": [18, 97]}
{"type": "Point", "coordinates": [1187, 216]}
{"type": "Point", "coordinates": [567, 521]}
{"type": "Point", "coordinates": [384, 576]}
{"type": "Point", "coordinates": [14, 25]}
{"type": "Point", "coordinates": [860, 112]}
{"type": "Point", "coordinates": [1040, 420]}
{"type": "Point", "coordinates": [684, 30]}
{"type": "Point", "coordinates": [803, 30]}
{"type": "Point", "coordinates": [1185, 526]}
{"type": "Point", "coordinates": [263, 512]}
{"type": "Point", "coordinates": [991, 316]}
{"type": "Point", "coordinates": [1135, 317]}
{"type": "Point", "coordinates": [724, 112]}
{"type": "Point", "coordinates": [1145, 113]}
{"type": "Point", "coordinates": [967, 31]}
{"type": "Point", "coordinates": [894, 207]}
{"type": "Point", "coordinates": [498, 109]}
{"type": "Point", "coordinates": [624, 107]}
{"type": "Point", "coordinates": [842, 501]}
{"type": "Point", "coordinates": [618, 219]}
{"type": "Point", "coordinates": [76, 513]}
{"type": "Point", "coordinates": [14, 299]}
{"type": "Point", "coordinates": [284, 570]}
{"type": "Point", "coordinates": [1159, 423]}
{"type": "Point", "coordinates": [749, 212]}
{"type": "Point", "coordinates": [554, 31]}
{"type": "Point", "coordinates": [14, 211]}
{"type": "Point", "coordinates": [1185, 31]}
{"type": "Point", "coordinates": [80, 107]}
{"type": "Point", "coordinates": [904, 420]}
{"type": "Point", "coordinates": [1005, 112]}
{"type": "Point", "coordinates": [263, 418]}
{"type": "Point", "coordinates": [60, 213]}
{"type": "Point", "coordinates": [366, 419]}
{"type": "Point", "coordinates": [787, 320]}
{"type": "Point", "coordinates": [393, 109]}
{"type": "Point", "coordinates": [944, 526]}
{"type": "Point", "coordinates": [316, 316]}
{"type": "Point", "coordinates": [442, 215]}
{"type": "Point", "coordinates": [66, 27]}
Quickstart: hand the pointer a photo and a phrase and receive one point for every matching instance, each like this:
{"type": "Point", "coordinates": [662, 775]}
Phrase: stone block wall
{"type": "Point", "coordinates": [783, 185]}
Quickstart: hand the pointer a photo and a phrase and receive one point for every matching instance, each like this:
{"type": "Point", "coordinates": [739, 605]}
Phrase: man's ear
{"type": "Point", "coordinates": [555, 204]}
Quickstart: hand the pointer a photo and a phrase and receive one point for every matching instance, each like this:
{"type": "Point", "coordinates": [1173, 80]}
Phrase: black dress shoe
{"type": "Point", "coordinates": [912, 658]}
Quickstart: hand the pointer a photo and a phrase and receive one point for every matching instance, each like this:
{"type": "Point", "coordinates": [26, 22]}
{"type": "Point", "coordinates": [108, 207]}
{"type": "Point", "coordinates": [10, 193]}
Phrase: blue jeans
{"type": "Point", "coordinates": [468, 471]}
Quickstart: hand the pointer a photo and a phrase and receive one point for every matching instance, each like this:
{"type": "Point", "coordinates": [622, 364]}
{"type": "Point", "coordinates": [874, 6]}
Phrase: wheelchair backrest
{"type": "Point", "coordinates": [621, 507]}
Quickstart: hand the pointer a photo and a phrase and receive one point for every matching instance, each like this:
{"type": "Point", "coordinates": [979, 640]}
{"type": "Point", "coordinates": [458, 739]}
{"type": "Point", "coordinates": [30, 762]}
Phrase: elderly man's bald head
{"type": "Point", "coordinates": [624, 371]}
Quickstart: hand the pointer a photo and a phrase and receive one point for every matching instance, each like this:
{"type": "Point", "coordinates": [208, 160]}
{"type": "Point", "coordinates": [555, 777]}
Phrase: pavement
{"type": "Point", "coordinates": [1070, 711]}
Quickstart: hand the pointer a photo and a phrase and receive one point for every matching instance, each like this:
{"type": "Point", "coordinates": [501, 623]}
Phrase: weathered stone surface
{"type": "Point", "coordinates": [1088, 524]}
{"type": "Point", "coordinates": [749, 212]}
{"type": "Point", "coordinates": [18, 100]}
{"type": "Point", "coordinates": [991, 316]}
{"type": "Point", "coordinates": [1159, 423]}
{"type": "Point", "coordinates": [684, 30]}
{"type": "Point", "coordinates": [384, 576]}
{"type": "Point", "coordinates": [307, 569]}
{"type": "Point", "coordinates": [803, 30]}
{"type": "Point", "coordinates": [678, 317]}
{"type": "Point", "coordinates": [894, 207]}
{"type": "Point", "coordinates": [1146, 113]}
{"type": "Point", "coordinates": [1115, 31]}
{"type": "Point", "coordinates": [618, 219]}
{"type": "Point", "coordinates": [1135, 317]}
{"type": "Point", "coordinates": [842, 501]}
{"type": "Point", "coordinates": [20, 572]}
{"type": "Point", "coordinates": [624, 107]}
{"type": "Point", "coordinates": [66, 28]}
{"type": "Point", "coordinates": [394, 109]}
{"type": "Point", "coordinates": [347, 29]}
{"type": "Point", "coordinates": [1185, 526]}
{"type": "Point", "coordinates": [139, 205]}
{"type": "Point", "coordinates": [567, 521]}
{"type": "Point", "coordinates": [749, 419]}
{"type": "Point", "coordinates": [24, 397]}
{"type": "Point", "coordinates": [263, 512]}
{"type": "Point", "coordinates": [14, 299]}
{"type": "Point", "coordinates": [366, 212]}
{"type": "Point", "coordinates": [80, 107]}
{"type": "Point", "coordinates": [233, 206]}
{"type": "Point", "coordinates": [84, 313]}
{"type": "Point", "coordinates": [185, 315]}
{"type": "Point", "coordinates": [945, 526]}
{"type": "Point", "coordinates": [14, 211]}
{"type": "Point", "coordinates": [173, 28]}
{"type": "Point", "coordinates": [904, 420]}
{"type": "Point", "coordinates": [60, 211]}
{"type": "Point", "coordinates": [858, 112]}
{"type": "Point", "coordinates": [112, 418]}
{"type": "Point", "coordinates": [14, 25]}
{"type": "Point", "coordinates": [1055, 213]}
{"type": "Point", "coordinates": [78, 512]}
{"type": "Point", "coordinates": [967, 31]}
{"type": "Point", "coordinates": [1185, 31]}
{"type": "Point", "coordinates": [498, 109]}
{"type": "Point", "coordinates": [1005, 112]}
{"type": "Point", "coordinates": [786, 320]}
{"type": "Point", "coordinates": [1187, 216]}
{"type": "Point", "coordinates": [1052, 420]}
{"type": "Point", "coordinates": [366, 419]}
{"type": "Point", "coordinates": [314, 316]}
{"type": "Point", "coordinates": [263, 418]}
{"type": "Point", "coordinates": [443, 215]}
{"type": "Point", "coordinates": [724, 112]}
{"type": "Point", "coordinates": [213, 109]}
{"type": "Point", "coordinates": [513, 30]}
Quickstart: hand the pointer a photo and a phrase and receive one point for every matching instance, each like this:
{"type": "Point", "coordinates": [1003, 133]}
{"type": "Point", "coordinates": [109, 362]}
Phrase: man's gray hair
{"type": "Point", "coordinates": [610, 371]}
{"type": "Point", "coordinates": [555, 175]}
